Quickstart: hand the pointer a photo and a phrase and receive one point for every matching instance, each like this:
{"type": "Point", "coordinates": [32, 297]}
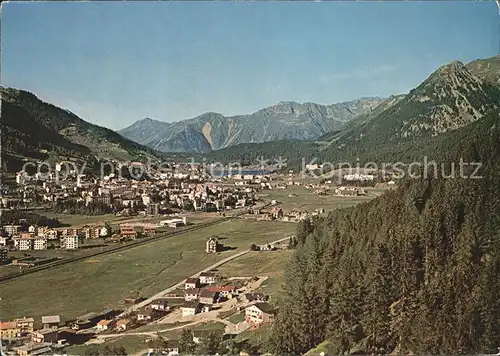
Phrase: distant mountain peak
{"type": "Point", "coordinates": [281, 121]}
{"type": "Point", "coordinates": [286, 102]}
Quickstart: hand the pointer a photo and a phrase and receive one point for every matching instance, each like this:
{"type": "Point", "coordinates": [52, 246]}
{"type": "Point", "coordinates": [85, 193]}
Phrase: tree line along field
{"type": "Point", "coordinates": [104, 281]}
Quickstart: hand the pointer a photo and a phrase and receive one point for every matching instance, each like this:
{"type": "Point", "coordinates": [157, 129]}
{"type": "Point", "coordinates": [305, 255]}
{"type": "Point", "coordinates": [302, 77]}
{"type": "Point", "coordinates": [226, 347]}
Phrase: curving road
{"type": "Point", "coordinates": [175, 286]}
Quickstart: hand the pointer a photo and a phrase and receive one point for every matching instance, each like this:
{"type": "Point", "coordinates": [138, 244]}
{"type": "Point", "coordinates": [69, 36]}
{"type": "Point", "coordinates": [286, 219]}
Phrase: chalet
{"type": "Point", "coordinates": [148, 314]}
{"type": "Point", "coordinates": [45, 336]}
{"type": "Point", "coordinates": [123, 324]}
{"type": "Point", "coordinates": [191, 308]}
{"type": "Point", "coordinates": [359, 177]}
{"type": "Point", "coordinates": [224, 291]}
{"type": "Point", "coordinates": [191, 294]}
{"type": "Point", "coordinates": [192, 283]}
{"type": "Point", "coordinates": [259, 313]}
{"type": "Point", "coordinates": [25, 325]}
{"type": "Point", "coordinates": [12, 230]}
{"type": "Point", "coordinates": [208, 297]}
{"type": "Point", "coordinates": [91, 319]}
{"type": "Point", "coordinates": [212, 245]}
{"type": "Point", "coordinates": [50, 321]}
{"type": "Point", "coordinates": [4, 259]}
{"type": "Point", "coordinates": [160, 304]}
{"type": "Point", "coordinates": [9, 330]}
{"type": "Point", "coordinates": [92, 232]}
{"type": "Point", "coordinates": [104, 325]}
{"type": "Point", "coordinates": [208, 277]}
{"type": "Point", "coordinates": [104, 231]}
{"type": "Point", "coordinates": [70, 242]}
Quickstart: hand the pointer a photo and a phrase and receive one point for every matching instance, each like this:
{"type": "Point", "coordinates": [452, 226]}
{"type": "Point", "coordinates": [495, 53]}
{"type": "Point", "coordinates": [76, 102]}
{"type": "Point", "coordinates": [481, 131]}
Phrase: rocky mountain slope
{"type": "Point", "coordinates": [401, 127]}
{"type": "Point", "coordinates": [33, 129]}
{"type": "Point", "coordinates": [486, 69]}
{"type": "Point", "coordinates": [283, 121]}
{"type": "Point", "coordinates": [450, 98]}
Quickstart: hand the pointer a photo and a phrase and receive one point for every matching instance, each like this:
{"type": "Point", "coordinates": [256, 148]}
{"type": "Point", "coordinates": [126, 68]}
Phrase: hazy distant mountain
{"type": "Point", "coordinates": [283, 121]}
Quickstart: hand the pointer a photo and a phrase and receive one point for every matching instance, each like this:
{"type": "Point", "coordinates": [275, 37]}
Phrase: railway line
{"type": "Point", "coordinates": [13, 275]}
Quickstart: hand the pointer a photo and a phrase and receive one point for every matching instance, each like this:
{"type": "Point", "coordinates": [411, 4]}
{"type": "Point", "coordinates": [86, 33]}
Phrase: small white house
{"type": "Point", "coordinates": [174, 222]}
{"type": "Point", "coordinates": [104, 325]}
{"type": "Point", "coordinates": [191, 308]}
{"type": "Point", "coordinates": [103, 232]}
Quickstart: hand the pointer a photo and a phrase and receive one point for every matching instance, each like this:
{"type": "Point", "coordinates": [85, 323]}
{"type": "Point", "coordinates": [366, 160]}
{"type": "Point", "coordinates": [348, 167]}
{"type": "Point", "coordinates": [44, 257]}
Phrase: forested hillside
{"type": "Point", "coordinates": [250, 153]}
{"type": "Point", "coordinates": [33, 129]}
{"type": "Point", "coordinates": [416, 270]}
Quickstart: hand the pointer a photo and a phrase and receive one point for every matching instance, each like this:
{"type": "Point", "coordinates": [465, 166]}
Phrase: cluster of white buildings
{"type": "Point", "coordinates": [36, 238]}
{"type": "Point", "coordinates": [359, 177]}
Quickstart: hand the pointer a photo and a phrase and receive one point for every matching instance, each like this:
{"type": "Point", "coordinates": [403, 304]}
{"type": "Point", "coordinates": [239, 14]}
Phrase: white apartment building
{"type": "Point", "coordinates": [12, 229]}
{"type": "Point", "coordinates": [3, 241]}
{"type": "Point", "coordinates": [71, 242]}
{"type": "Point", "coordinates": [23, 244]}
{"type": "Point", "coordinates": [40, 243]}
{"type": "Point", "coordinates": [356, 176]}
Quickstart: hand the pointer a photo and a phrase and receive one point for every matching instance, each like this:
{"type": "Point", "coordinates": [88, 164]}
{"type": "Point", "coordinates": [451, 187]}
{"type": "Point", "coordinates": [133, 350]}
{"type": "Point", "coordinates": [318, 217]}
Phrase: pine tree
{"type": "Point", "coordinates": [186, 343]}
{"type": "Point", "coordinates": [377, 321]}
{"type": "Point", "coordinates": [210, 345]}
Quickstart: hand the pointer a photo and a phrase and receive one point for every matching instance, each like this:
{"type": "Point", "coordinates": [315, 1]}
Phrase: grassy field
{"type": "Point", "coordinates": [237, 318]}
{"type": "Point", "coordinates": [263, 263]}
{"type": "Point", "coordinates": [305, 199]}
{"type": "Point", "coordinates": [256, 338]}
{"type": "Point", "coordinates": [80, 220]}
{"type": "Point", "coordinates": [104, 281]}
{"type": "Point", "coordinates": [210, 326]}
{"type": "Point", "coordinates": [266, 263]}
{"type": "Point", "coordinates": [132, 344]}
{"type": "Point", "coordinates": [156, 327]}
{"type": "Point", "coordinates": [91, 246]}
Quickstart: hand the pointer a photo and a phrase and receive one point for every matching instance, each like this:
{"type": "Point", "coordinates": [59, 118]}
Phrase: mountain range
{"type": "Point", "coordinates": [287, 120]}
{"type": "Point", "coordinates": [401, 127]}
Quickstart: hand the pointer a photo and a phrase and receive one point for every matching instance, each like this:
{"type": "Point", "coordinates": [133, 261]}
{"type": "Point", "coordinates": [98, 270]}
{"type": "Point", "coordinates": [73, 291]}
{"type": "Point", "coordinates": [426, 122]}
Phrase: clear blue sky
{"type": "Point", "coordinates": [115, 63]}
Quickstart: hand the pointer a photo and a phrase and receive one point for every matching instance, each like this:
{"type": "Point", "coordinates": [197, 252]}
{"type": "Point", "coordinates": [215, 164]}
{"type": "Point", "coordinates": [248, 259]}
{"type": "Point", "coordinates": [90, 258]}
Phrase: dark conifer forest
{"type": "Point", "coordinates": [415, 270]}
